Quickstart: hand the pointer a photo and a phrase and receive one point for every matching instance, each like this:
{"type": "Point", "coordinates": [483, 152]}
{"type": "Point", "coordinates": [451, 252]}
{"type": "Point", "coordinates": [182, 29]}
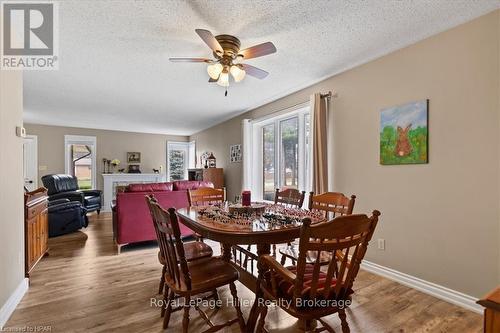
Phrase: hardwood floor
{"type": "Point", "coordinates": [83, 286]}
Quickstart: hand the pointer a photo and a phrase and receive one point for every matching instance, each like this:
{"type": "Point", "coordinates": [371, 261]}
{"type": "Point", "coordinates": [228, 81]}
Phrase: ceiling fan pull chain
{"type": "Point", "coordinates": [225, 94]}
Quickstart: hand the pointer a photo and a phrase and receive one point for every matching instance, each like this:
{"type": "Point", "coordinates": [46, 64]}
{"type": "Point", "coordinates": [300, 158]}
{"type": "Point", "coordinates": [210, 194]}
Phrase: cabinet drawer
{"type": "Point", "coordinates": [35, 210]}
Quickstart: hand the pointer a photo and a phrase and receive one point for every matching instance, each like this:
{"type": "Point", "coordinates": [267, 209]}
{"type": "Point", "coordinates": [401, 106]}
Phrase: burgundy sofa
{"type": "Point", "coordinates": [131, 217]}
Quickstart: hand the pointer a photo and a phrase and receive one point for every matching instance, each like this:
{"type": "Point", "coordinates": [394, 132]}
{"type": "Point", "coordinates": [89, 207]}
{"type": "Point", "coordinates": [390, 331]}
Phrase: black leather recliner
{"type": "Point", "coordinates": [66, 216]}
{"type": "Point", "coordinates": [62, 186]}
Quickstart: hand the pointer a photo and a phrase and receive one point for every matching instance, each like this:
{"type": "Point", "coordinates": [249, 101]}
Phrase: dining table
{"type": "Point", "coordinates": [234, 232]}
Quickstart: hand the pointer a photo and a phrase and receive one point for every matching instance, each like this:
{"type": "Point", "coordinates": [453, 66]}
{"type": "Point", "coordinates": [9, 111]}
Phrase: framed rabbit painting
{"type": "Point", "coordinates": [404, 134]}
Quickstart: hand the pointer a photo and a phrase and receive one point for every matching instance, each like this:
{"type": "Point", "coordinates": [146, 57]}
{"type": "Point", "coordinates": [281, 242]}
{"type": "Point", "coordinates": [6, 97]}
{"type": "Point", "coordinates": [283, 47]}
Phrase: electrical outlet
{"type": "Point", "coordinates": [381, 244]}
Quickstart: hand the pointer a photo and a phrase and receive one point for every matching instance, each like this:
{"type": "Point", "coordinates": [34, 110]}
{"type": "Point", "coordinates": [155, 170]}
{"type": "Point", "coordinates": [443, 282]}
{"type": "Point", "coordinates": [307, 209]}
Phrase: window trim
{"type": "Point", "coordinates": [81, 140]}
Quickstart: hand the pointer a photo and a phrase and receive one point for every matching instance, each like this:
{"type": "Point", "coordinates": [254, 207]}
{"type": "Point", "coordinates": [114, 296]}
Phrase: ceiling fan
{"type": "Point", "coordinates": [228, 57]}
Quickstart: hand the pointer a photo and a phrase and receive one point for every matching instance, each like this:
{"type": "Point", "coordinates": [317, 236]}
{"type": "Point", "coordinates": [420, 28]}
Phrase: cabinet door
{"type": "Point", "coordinates": [44, 227]}
{"type": "Point", "coordinates": [31, 225]}
{"type": "Point", "coordinates": [214, 175]}
{"type": "Point", "coordinates": [37, 237]}
{"type": "Point", "coordinates": [38, 240]}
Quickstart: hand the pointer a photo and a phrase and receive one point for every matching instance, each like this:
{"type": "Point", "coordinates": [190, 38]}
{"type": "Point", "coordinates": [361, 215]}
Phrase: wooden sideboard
{"type": "Point", "coordinates": [491, 303]}
{"type": "Point", "coordinates": [36, 228]}
{"type": "Point", "coordinates": [214, 175]}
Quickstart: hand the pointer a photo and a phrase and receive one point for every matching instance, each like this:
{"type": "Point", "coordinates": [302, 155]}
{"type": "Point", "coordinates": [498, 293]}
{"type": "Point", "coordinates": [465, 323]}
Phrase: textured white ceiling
{"type": "Point", "coordinates": [114, 71]}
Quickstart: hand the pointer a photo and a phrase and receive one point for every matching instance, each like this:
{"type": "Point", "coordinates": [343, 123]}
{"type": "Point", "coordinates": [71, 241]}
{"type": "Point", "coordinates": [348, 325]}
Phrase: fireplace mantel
{"type": "Point", "coordinates": [112, 180]}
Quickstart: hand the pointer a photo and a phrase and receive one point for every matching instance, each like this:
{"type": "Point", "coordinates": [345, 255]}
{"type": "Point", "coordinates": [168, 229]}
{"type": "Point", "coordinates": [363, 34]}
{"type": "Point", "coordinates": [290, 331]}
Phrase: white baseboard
{"type": "Point", "coordinates": [446, 294]}
{"type": "Point", "coordinates": [11, 304]}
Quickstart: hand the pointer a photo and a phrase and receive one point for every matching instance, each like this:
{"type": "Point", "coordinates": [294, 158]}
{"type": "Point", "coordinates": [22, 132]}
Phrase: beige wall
{"type": "Point", "coordinates": [11, 183]}
{"type": "Point", "coordinates": [440, 220]}
{"type": "Point", "coordinates": [217, 140]}
{"type": "Point", "coordinates": [110, 145]}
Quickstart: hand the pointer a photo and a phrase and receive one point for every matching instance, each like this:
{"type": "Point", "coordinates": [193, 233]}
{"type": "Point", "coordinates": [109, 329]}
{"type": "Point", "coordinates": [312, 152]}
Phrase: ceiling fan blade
{"type": "Point", "coordinates": [190, 60]}
{"type": "Point", "coordinates": [210, 40]}
{"type": "Point", "coordinates": [254, 71]}
{"type": "Point", "coordinates": [212, 80]}
{"type": "Point", "coordinates": [258, 50]}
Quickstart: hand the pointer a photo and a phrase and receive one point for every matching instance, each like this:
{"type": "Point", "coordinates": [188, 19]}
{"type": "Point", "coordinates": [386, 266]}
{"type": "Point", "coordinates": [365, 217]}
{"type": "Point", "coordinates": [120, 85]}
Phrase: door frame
{"type": "Point", "coordinates": [81, 139]}
{"type": "Point", "coordinates": [35, 140]}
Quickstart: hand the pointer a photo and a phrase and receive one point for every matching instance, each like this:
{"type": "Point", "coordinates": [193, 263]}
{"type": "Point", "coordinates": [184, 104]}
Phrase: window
{"type": "Point", "coordinates": [80, 159]}
{"type": "Point", "coordinates": [280, 153]}
{"type": "Point", "coordinates": [180, 157]}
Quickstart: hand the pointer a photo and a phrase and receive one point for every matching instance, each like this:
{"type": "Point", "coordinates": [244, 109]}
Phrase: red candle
{"type": "Point", "coordinates": [246, 198]}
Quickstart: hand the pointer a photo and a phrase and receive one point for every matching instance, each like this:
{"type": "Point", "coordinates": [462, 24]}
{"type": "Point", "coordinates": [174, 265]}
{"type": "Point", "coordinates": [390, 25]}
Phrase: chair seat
{"type": "Point", "coordinates": [192, 251]}
{"type": "Point", "coordinates": [206, 275]}
{"type": "Point", "coordinates": [92, 200]}
{"type": "Point", "coordinates": [293, 253]}
{"type": "Point", "coordinates": [285, 288]}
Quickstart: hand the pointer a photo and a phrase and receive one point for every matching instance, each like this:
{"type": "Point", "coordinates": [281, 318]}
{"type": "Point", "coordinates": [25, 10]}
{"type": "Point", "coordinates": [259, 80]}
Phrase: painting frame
{"type": "Point", "coordinates": [134, 168]}
{"type": "Point", "coordinates": [235, 153]}
{"type": "Point", "coordinates": [404, 134]}
{"type": "Point", "coordinates": [133, 157]}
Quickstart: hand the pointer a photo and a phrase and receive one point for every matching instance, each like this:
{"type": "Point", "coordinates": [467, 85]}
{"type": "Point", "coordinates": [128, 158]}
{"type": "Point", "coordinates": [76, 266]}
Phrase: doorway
{"type": "Point", "coordinates": [80, 159]}
{"type": "Point", "coordinates": [30, 162]}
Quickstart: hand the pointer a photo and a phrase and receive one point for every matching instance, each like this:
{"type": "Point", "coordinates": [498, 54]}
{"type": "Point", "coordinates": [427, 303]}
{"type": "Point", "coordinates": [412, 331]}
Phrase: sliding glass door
{"type": "Point", "coordinates": [282, 144]}
{"type": "Point", "coordinates": [269, 156]}
{"type": "Point", "coordinates": [289, 153]}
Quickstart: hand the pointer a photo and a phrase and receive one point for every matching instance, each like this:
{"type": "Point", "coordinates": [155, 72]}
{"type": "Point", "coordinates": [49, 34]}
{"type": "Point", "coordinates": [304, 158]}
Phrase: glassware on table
{"type": "Point", "coordinates": [237, 199]}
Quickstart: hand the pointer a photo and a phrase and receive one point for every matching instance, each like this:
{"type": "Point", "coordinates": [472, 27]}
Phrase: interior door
{"type": "Point", "coordinates": [30, 162]}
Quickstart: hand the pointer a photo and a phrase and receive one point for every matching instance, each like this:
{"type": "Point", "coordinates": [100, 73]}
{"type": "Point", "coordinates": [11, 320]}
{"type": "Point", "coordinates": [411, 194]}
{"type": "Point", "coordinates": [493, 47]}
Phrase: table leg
{"type": "Point", "coordinates": [256, 308]}
{"type": "Point", "coordinates": [226, 252]}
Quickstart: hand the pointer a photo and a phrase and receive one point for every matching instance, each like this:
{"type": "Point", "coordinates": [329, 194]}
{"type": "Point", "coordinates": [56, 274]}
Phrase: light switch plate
{"type": "Point", "coordinates": [20, 131]}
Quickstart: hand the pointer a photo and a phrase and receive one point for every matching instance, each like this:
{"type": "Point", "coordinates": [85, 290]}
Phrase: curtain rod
{"type": "Point", "coordinates": [329, 95]}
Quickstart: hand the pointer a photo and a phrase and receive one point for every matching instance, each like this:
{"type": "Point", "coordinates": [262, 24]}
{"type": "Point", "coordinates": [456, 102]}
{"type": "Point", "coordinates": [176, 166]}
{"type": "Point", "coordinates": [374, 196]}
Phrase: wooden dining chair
{"type": "Point", "coordinates": [206, 196]}
{"type": "Point", "coordinates": [194, 250]}
{"type": "Point", "coordinates": [331, 205]}
{"type": "Point", "coordinates": [289, 197]}
{"type": "Point", "coordinates": [313, 290]}
{"type": "Point", "coordinates": [194, 278]}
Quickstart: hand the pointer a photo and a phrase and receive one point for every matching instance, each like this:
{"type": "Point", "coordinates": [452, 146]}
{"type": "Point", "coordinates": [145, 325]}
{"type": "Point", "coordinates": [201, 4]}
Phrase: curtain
{"type": "Point", "coordinates": [319, 140]}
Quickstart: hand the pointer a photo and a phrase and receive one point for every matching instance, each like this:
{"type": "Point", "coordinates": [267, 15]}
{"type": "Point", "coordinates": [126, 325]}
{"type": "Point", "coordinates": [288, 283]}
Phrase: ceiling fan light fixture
{"type": "Point", "coordinates": [214, 70]}
{"type": "Point", "coordinates": [223, 79]}
{"type": "Point", "coordinates": [227, 58]}
{"type": "Point", "coordinates": [237, 73]}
